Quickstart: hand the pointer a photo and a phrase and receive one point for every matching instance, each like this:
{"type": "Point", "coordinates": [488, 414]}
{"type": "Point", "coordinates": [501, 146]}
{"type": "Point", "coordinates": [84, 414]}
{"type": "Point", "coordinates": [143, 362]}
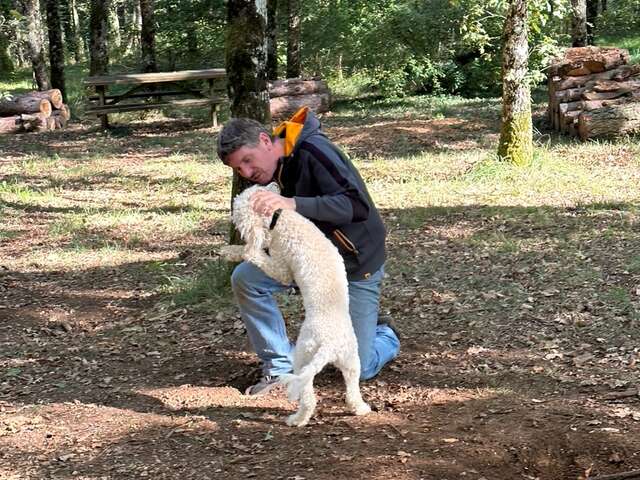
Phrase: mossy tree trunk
{"type": "Point", "coordinates": [579, 23]}
{"type": "Point", "coordinates": [56, 49]}
{"type": "Point", "coordinates": [31, 11]}
{"type": "Point", "coordinates": [516, 136]}
{"type": "Point", "coordinates": [293, 39]}
{"type": "Point", "coordinates": [99, 31]}
{"type": "Point", "coordinates": [68, 16]}
{"type": "Point", "coordinates": [246, 65]}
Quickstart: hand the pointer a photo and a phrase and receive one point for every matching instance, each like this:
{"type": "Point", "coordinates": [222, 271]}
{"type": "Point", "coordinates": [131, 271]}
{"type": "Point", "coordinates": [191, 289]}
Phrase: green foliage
{"type": "Point", "coordinates": [440, 46]}
{"type": "Point", "coordinates": [621, 19]}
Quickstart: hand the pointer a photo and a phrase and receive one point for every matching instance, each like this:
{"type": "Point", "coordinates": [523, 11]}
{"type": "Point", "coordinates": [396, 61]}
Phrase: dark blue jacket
{"type": "Point", "coordinates": [329, 191]}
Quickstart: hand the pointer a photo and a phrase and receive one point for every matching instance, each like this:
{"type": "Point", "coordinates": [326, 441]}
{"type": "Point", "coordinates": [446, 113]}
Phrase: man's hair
{"type": "Point", "coordinates": [238, 133]}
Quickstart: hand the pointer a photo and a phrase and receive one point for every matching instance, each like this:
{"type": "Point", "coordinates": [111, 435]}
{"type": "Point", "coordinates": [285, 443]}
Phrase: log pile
{"type": "Point", "coordinates": [594, 93]}
{"type": "Point", "coordinates": [287, 96]}
{"type": "Point", "coordinates": [34, 112]}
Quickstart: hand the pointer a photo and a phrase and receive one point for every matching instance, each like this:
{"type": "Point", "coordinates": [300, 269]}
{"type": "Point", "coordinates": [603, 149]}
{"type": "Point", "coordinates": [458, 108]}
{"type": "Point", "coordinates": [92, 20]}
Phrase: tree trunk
{"type": "Point", "coordinates": [284, 107]}
{"type": "Point", "coordinates": [592, 16]}
{"type": "Point", "coordinates": [579, 23]}
{"type": "Point", "coordinates": [6, 63]}
{"type": "Point", "coordinates": [580, 61]}
{"type": "Point", "coordinates": [611, 121]}
{"type": "Point", "coordinates": [115, 37]}
{"type": "Point", "coordinates": [516, 136]}
{"type": "Point", "coordinates": [60, 118]}
{"type": "Point", "coordinates": [56, 48]}
{"type": "Point", "coordinates": [69, 28]}
{"type": "Point", "coordinates": [99, 29]}
{"type": "Point", "coordinates": [293, 39]}
{"type": "Point", "coordinates": [148, 36]}
{"type": "Point", "coordinates": [295, 86]}
{"type": "Point", "coordinates": [272, 40]}
{"type": "Point", "coordinates": [31, 10]}
{"type": "Point", "coordinates": [603, 6]}
{"type": "Point", "coordinates": [54, 96]}
{"type": "Point", "coordinates": [246, 62]}
{"type": "Point", "coordinates": [36, 122]}
{"type": "Point", "coordinates": [133, 26]}
{"type": "Point", "coordinates": [80, 52]}
{"type": "Point", "coordinates": [10, 124]}
{"type": "Point", "coordinates": [25, 104]}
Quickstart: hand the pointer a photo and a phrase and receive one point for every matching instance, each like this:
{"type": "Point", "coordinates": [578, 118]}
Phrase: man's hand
{"type": "Point", "coordinates": [265, 203]}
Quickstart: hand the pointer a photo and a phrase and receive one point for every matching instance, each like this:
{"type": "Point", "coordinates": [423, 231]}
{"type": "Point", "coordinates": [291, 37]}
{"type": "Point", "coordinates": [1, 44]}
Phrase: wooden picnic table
{"type": "Point", "coordinates": [150, 91]}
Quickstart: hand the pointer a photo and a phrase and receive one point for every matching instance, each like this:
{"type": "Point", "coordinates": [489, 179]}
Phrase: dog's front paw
{"type": "Point", "coordinates": [232, 253]}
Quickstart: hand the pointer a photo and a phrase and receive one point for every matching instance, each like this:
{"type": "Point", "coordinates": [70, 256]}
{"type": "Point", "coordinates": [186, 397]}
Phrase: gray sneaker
{"type": "Point", "coordinates": [265, 384]}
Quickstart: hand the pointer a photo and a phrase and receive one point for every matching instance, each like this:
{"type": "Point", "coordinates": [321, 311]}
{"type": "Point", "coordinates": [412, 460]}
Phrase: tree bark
{"type": "Point", "coordinates": [54, 96]}
{"type": "Point", "coordinates": [6, 63]}
{"type": "Point", "coordinates": [293, 39]}
{"type": "Point", "coordinates": [25, 104]}
{"type": "Point", "coordinates": [69, 28]}
{"type": "Point", "coordinates": [56, 48]}
{"type": "Point", "coordinates": [592, 17]}
{"type": "Point", "coordinates": [516, 136]}
{"type": "Point", "coordinates": [246, 62]}
{"type": "Point", "coordinates": [115, 37]}
{"type": "Point", "coordinates": [99, 29]}
{"type": "Point", "coordinates": [295, 86]}
{"type": "Point", "coordinates": [133, 26]}
{"type": "Point", "coordinates": [10, 124]}
{"type": "Point", "coordinates": [36, 122]}
{"type": "Point", "coordinates": [148, 36]}
{"type": "Point", "coordinates": [31, 10]}
{"type": "Point", "coordinates": [594, 58]}
{"type": "Point", "coordinates": [283, 107]}
{"type": "Point", "coordinates": [80, 52]}
{"type": "Point", "coordinates": [579, 23]}
{"type": "Point", "coordinates": [60, 118]}
{"type": "Point", "coordinates": [272, 40]}
{"type": "Point", "coordinates": [611, 121]}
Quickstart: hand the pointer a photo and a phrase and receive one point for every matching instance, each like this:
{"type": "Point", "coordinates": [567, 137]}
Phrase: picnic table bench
{"type": "Point", "coordinates": [150, 91]}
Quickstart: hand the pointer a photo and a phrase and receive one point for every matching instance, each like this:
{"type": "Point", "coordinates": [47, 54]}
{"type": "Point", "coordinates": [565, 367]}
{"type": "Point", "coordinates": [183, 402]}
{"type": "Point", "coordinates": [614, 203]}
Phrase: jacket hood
{"type": "Point", "coordinates": [297, 129]}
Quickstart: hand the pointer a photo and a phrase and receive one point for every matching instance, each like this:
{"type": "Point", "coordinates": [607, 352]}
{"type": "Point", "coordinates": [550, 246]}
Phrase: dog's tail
{"type": "Point", "coordinates": [295, 383]}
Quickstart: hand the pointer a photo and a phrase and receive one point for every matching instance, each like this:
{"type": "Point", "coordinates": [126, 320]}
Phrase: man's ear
{"type": "Point", "coordinates": [273, 187]}
{"type": "Point", "coordinates": [265, 139]}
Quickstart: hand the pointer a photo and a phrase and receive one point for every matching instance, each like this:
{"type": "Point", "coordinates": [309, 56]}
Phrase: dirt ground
{"type": "Point", "coordinates": [538, 384]}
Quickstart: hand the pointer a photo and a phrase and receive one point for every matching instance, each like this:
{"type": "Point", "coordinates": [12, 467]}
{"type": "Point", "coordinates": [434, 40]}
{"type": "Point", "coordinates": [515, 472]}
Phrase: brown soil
{"type": "Point", "coordinates": [102, 385]}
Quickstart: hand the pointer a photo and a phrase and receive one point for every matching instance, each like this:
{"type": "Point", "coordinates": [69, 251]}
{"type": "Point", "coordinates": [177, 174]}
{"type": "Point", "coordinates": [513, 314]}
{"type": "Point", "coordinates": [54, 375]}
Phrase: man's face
{"type": "Point", "coordinates": [257, 164]}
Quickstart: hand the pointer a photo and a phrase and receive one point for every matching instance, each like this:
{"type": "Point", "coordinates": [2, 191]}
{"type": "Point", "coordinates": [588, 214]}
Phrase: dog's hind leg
{"type": "Point", "coordinates": [349, 365]}
{"type": "Point", "coordinates": [306, 407]}
{"type": "Point", "coordinates": [300, 385]}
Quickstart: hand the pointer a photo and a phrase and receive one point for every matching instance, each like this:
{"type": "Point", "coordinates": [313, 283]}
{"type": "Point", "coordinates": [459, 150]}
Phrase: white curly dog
{"type": "Point", "coordinates": [299, 252]}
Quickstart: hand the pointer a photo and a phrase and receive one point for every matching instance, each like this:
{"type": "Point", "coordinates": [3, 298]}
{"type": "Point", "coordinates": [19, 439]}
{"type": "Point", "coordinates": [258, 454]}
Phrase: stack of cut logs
{"type": "Point", "coordinates": [287, 96]}
{"type": "Point", "coordinates": [33, 112]}
{"type": "Point", "coordinates": [594, 93]}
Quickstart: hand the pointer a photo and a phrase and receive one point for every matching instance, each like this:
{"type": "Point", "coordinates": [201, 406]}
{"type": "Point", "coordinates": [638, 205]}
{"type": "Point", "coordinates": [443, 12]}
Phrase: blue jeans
{"type": "Point", "coordinates": [253, 290]}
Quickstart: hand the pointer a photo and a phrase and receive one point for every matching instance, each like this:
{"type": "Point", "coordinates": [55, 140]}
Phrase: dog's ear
{"type": "Point", "coordinates": [273, 187]}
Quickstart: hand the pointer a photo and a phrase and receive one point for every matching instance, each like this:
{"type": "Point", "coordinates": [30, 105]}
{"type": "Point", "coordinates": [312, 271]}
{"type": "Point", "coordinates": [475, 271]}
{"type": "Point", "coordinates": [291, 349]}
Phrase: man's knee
{"type": "Point", "coordinates": [240, 279]}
